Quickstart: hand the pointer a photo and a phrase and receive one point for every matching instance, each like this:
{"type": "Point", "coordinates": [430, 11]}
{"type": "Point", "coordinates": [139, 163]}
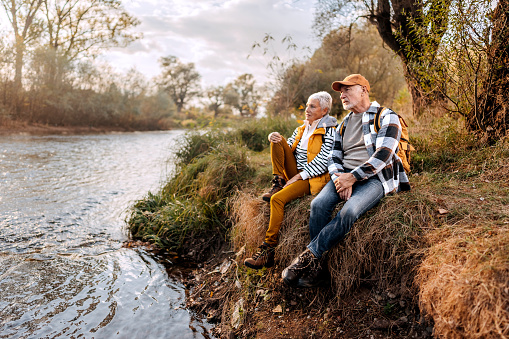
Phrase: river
{"type": "Point", "coordinates": [63, 271]}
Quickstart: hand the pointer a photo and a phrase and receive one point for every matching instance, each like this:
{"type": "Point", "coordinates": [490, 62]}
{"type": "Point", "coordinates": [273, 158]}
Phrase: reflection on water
{"type": "Point", "coordinates": [62, 271]}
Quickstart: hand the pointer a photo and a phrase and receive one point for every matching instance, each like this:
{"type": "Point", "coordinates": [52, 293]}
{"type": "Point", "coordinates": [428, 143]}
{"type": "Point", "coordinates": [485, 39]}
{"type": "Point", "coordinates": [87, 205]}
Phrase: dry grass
{"type": "Point", "coordinates": [251, 218]}
{"type": "Point", "coordinates": [464, 281]}
{"type": "Point", "coordinates": [385, 246]}
{"type": "Point", "coordinates": [445, 243]}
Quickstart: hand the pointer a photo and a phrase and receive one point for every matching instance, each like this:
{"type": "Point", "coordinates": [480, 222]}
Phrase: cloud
{"type": "Point", "coordinates": [216, 35]}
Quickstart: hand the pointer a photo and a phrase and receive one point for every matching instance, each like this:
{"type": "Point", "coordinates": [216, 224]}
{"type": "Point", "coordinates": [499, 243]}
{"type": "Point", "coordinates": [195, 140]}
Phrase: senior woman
{"type": "Point", "coordinates": [299, 166]}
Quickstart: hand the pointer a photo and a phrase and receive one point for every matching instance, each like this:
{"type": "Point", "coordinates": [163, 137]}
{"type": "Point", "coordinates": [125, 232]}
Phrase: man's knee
{"type": "Point", "coordinates": [351, 211]}
{"type": "Point", "coordinates": [316, 204]}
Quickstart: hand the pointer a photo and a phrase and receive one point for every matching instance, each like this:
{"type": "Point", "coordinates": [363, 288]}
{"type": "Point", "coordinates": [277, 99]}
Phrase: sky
{"type": "Point", "coordinates": [215, 35]}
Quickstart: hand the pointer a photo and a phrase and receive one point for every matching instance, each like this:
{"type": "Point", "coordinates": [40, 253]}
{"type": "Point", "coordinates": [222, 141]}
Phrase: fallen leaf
{"type": "Point", "coordinates": [225, 266]}
{"type": "Point", "coordinates": [442, 211]}
{"type": "Point", "coordinates": [277, 309]}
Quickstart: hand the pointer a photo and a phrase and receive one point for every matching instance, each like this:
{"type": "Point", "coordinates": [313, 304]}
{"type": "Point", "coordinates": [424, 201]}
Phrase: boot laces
{"type": "Point", "coordinates": [305, 260]}
{"type": "Point", "coordinates": [262, 251]}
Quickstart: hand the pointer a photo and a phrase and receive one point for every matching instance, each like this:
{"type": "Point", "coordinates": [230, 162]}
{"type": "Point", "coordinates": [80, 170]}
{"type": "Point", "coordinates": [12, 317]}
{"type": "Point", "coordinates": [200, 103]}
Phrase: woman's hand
{"type": "Point", "coordinates": [295, 178]}
{"type": "Point", "coordinates": [275, 137]}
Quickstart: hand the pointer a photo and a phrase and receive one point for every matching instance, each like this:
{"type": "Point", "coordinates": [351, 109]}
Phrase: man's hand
{"type": "Point", "coordinates": [344, 183]}
{"type": "Point", "coordinates": [293, 179]}
{"type": "Point", "coordinates": [275, 137]}
{"type": "Point", "coordinates": [345, 194]}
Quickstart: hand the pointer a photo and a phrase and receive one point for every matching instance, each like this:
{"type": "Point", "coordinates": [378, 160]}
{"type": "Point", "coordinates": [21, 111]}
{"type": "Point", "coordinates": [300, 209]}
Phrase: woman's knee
{"type": "Point", "coordinates": [280, 199]}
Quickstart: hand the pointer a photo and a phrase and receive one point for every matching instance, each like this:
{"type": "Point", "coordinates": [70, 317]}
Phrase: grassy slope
{"type": "Point", "coordinates": [443, 246]}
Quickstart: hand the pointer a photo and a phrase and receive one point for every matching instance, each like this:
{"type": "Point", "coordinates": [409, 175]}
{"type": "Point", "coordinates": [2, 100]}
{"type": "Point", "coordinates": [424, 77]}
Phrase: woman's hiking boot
{"type": "Point", "coordinates": [264, 257]}
{"type": "Point", "coordinates": [305, 262]}
{"type": "Point", "coordinates": [277, 185]}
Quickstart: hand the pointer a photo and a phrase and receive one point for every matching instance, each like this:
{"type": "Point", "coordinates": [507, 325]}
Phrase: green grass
{"type": "Point", "coordinates": [209, 168]}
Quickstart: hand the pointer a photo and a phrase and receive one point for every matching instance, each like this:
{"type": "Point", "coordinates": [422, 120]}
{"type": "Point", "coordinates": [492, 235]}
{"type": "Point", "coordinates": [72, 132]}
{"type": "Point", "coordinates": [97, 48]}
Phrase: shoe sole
{"type": "Point", "coordinates": [288, 282]}
{"type": "Point", "coordinates": [266, 199]}
{"type": "Point", "coordinates": [320, 283]}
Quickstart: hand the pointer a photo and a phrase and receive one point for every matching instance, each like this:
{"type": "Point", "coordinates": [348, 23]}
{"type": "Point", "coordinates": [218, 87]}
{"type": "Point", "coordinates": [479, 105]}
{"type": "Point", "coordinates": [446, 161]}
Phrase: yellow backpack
{"type": "Point", "coordinates": [404, 147]}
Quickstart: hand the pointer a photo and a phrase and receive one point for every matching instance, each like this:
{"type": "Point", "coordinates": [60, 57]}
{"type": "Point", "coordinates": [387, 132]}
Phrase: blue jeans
{"type": "Point", "coordinates": [323, 231]}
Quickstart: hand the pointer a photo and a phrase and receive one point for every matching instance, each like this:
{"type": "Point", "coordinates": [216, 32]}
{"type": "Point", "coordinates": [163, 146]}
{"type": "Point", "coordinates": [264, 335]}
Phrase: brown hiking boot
{"type": "Point", "coordinates": [301, 265]}
{"type": "Point", "coordinates": [277, 185]}
{"type": "Point", "coordinates": [264, 257]}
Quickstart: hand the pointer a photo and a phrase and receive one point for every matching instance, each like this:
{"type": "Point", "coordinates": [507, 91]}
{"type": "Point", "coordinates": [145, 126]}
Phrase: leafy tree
{"type": "Point", "coordinates": [243, 95]}
{"type": "Point", "coordinates": [412, 29]}
{"type": "Point", "coordinates": [70, 28]}
{"type": "Point", "coordinates": [82, 28]}
{"type": "Point", "coordinates": [25, 28]}
{"type": "Point", "coordinates": [278, 60]}
{"type": "Point", "coordinates": [216, 99]}
{"type": "Point", "coordinates": [356, 49]}
{"type": "Point", "coordinates": [179, 80]}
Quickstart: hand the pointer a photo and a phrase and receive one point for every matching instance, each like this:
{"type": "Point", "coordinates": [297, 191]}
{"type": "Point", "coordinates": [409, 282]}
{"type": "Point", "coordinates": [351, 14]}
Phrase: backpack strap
{"type": "Point", "coordinates": [342, 129]}
{"type": "Point", "coordinates": [377, 121]}
{"type": "Point", "coordinates": [378, 116]}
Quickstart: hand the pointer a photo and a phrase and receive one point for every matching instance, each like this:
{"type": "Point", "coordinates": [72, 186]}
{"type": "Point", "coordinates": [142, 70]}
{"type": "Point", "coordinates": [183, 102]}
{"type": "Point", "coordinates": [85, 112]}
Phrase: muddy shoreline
{"type": "Point", "coordinates": [22, 128]}
{"type": "Point", "coordinates": [278, 311]}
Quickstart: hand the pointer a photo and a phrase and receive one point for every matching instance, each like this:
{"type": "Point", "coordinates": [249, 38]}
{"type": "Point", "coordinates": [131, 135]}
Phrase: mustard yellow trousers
{"type": "Point", "coordinates": [285, 165]}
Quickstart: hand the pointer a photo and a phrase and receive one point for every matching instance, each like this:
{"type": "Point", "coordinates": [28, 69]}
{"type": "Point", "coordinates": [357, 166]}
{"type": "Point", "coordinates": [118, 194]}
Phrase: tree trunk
{"type": "Point", "coordinates": [17, 93]}
{"type": "Point", "coordinates": [403, 27]}
{"type": "Point", "coordinates": [424, 100]}
{"type": "Point", "coordinates": [489, 116]}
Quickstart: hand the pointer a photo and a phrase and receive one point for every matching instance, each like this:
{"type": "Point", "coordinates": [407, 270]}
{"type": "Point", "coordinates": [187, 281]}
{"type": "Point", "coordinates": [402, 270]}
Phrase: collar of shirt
{"type": "Point", "coordinates": [308, 131]}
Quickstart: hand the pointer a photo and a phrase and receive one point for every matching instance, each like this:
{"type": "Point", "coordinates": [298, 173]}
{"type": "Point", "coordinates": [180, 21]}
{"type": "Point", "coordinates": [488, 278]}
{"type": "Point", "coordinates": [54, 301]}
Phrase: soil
{"type": "Point", "coordinates": [273, 310]}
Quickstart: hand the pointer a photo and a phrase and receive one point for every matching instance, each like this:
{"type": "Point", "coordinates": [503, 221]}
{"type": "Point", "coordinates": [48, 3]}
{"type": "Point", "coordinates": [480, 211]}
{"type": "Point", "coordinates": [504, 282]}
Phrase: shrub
{"type": "Point", "coordinates": [193, 204]}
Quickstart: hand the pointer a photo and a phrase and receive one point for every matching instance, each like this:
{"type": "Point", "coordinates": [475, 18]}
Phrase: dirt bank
{"type": "Point", "coordinates": [266, 308]}
{"type": "Point", "coordinates": [13, 128]}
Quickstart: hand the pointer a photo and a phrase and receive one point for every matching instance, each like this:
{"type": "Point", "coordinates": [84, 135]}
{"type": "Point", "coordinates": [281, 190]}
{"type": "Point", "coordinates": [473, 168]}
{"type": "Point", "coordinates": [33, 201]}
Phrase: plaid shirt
{"type": "Point", "coordinates": [381, 147]}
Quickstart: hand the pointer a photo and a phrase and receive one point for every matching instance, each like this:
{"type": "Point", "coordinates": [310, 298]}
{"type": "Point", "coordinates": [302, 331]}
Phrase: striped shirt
{"type": "Point", "coordinates": [318, 165]}
{"type": "Point", "coordinates": [382, 147]}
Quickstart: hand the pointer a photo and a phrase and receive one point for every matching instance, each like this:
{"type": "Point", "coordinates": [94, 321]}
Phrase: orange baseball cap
{"type": "Point", "coordinates": [352, 79]}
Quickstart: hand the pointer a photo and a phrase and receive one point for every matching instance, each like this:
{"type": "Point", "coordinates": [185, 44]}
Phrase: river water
{"type": "Point", "coordinates": [63, 272]}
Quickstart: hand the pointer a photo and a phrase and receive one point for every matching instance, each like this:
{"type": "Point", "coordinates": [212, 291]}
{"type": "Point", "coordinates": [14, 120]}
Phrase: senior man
{"type": "Point", "coordinates": [363, 166]}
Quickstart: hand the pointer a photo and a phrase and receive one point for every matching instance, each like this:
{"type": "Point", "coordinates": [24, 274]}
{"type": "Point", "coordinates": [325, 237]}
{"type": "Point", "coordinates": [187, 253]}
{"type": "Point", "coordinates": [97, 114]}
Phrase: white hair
{"type": "Point", "coordinates": [324, 99]}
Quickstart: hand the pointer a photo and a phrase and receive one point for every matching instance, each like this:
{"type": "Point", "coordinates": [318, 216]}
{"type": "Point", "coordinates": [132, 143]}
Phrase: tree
{"type": "Point", "coordinates": [412, 29]}
{"type": "Point", "coordinates": [243, 96]}
{"type": "Point", "coordinates": [180, 80]}
{"type": "Point", "coordinates": [278, 63]}
{"type": "Point", "coordinates": [490, 114]}
{"type": "Point", "coordinates": [216, 99]}
{"type": "Point", "coordinates": [82, 28]}
{"type": "Point", "coordinates": [26, 27]}
{"type": "Point", "coordinates": [356, 49]}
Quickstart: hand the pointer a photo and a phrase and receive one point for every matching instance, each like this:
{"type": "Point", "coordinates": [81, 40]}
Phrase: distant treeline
{"type": "Point", "coordinates": [452, 57]}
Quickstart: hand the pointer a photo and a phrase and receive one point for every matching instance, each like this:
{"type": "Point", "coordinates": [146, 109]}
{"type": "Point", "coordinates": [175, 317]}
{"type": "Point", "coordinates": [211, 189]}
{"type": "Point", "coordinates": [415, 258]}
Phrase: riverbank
{"type": "Point", "coordinates": [429, 262]}
{"type": "Point", "coordinates": [15, 127]}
